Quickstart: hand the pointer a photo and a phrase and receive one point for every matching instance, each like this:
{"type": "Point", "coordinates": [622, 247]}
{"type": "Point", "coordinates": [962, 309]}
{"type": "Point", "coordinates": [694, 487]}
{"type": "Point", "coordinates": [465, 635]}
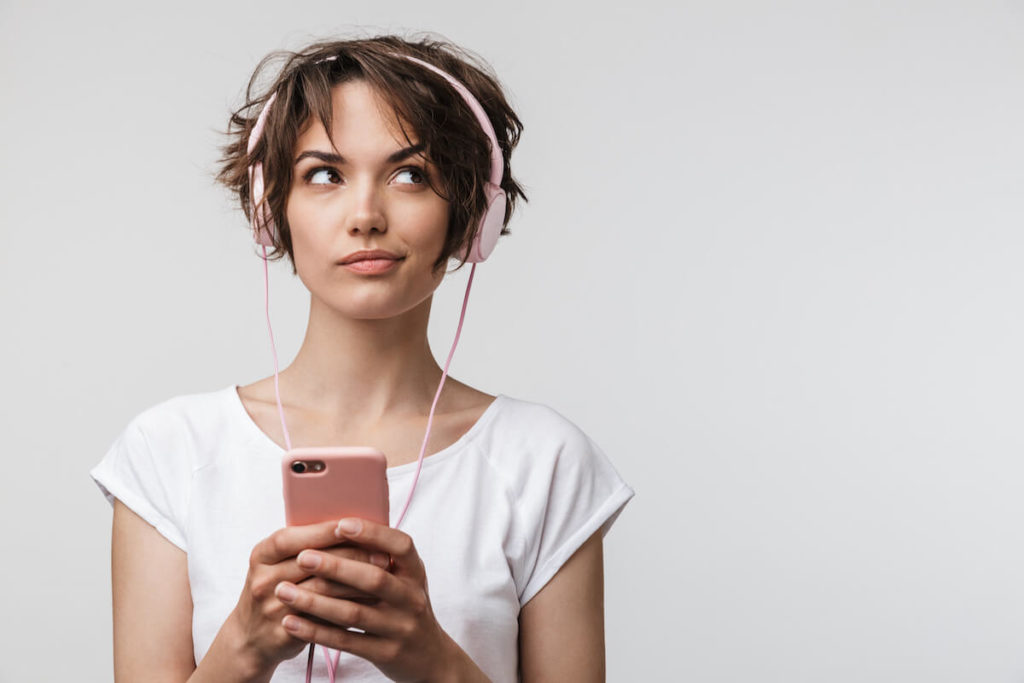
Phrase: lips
{"type": "Point", "coordinates": [369, 255]}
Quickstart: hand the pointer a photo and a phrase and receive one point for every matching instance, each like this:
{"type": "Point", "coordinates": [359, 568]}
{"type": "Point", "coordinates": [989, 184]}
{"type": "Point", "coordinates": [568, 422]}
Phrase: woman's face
{"type": "Point", "coordinates": [370, 193]}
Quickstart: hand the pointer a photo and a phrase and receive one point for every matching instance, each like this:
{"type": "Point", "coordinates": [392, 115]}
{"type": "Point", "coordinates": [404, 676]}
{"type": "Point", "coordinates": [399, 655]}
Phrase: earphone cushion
{"type": "Point", "coordinates": [262, 219]}
{"type": "Point", "coordinates": [491, 224]}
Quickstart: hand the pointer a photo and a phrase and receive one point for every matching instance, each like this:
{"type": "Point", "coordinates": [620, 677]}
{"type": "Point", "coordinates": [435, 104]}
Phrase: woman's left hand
{"type": "Point", "coordinates": [402, 637]}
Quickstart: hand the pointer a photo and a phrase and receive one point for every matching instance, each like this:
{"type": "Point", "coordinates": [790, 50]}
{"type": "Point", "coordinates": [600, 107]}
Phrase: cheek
{"type": "Point", "coordinates": [303, 221]}
{"type": "Point", "coordinates": [303, 240]}
{"type": "Point", "coordinates": [428, 225]}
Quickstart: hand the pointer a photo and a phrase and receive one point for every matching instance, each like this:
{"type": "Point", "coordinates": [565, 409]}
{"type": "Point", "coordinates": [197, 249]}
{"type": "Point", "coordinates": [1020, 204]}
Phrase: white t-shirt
{"type": "Point", "coordinates": [494, 517]}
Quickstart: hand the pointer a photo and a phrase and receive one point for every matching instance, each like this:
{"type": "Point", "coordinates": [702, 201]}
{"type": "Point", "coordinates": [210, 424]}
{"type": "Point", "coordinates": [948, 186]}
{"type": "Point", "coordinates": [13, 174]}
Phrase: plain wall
{"type": "Point", "coordinates": [771, 264]}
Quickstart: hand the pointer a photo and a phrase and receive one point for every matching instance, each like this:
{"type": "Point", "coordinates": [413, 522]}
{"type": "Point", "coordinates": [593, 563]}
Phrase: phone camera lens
{"type": "Point", "coordinates": [298, 467]}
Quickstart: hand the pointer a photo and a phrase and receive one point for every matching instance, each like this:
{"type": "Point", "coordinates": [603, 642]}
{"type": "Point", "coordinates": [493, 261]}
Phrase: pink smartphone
{"type": "Point", "coordinates": [329, 483]}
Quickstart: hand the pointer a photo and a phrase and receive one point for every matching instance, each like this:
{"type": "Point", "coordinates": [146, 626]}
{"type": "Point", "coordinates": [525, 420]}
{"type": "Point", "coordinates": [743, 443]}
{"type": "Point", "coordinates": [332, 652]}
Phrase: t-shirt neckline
{"type": "Point", "coordinates": [443, 454]}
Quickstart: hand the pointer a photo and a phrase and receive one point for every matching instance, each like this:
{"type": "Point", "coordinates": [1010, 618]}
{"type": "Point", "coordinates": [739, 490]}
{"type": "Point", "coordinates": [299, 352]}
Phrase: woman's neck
{"type": "Point", "coordinates": [364, 370]}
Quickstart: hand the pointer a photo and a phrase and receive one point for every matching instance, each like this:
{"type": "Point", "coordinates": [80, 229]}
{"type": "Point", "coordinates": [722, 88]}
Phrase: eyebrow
{"type": "Point", "coordinates": [334, 158]}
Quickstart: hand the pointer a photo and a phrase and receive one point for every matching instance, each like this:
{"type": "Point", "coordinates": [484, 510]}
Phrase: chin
{"type": "Point", "coordinates": [373, 307]}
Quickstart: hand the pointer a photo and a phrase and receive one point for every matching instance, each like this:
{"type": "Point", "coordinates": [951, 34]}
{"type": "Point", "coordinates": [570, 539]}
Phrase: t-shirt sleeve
{"type": "Point", "coordinates": [571, 491]}
{"type": "Point", "coordinates": [149, 482]}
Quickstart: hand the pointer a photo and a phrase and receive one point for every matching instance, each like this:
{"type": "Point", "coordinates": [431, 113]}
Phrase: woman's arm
{"type": "Point", "coordinates": [153, 607]}
{"type": "Point", "coordinates": [153, 614]}
{"type": "Point", "coordinates": [152, 603]}
{"type": "Point", "coordinates": [561, 629]}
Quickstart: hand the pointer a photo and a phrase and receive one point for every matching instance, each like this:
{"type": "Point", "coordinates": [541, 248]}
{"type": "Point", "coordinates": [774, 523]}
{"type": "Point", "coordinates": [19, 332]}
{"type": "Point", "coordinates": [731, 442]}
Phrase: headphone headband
{"type": "Point", "coordinates": [491, 222]}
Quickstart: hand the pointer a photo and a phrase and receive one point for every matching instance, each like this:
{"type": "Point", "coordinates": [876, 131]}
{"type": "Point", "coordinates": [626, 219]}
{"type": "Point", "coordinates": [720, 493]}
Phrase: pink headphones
{"type": "Point", "coordinates": [490, 223]}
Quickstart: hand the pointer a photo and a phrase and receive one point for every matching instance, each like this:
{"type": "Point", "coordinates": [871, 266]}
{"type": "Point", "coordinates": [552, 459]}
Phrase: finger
{"type": "Point", "coordinates": [333, 589]}
{"type": "Point", "coordinates": [365, 577]}
{"type": "Point", "coordinates": [289, 541]}
{"type": "Point", "coordinates": [289, 570]}
{"type": "Point", "coordinates": [395, 543]}
{"type": "Point", "coordinates": [366, 645]}
{"type": "Point", "coordinates": [354, 552]}
{"type": "Point", "coordinates": [344, 613]}
{"type": "Point", "coordinates": [338, 590]}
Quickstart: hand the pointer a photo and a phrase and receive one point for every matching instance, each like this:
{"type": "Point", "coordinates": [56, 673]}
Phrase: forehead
{"type": "Point", "coordinates": [363, 123]}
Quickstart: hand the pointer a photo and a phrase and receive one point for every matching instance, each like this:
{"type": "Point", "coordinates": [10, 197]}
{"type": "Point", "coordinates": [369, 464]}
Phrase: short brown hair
{"type": "Point", "coordinates": [419, 98]}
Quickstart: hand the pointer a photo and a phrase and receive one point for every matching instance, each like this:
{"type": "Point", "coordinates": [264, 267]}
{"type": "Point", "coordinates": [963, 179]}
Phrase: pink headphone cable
{"type": "Point", "coordinates": [332, 664]}
{"type": "Point", "coordinates": [444, 375]}
{"type": "Point", "coordinates": [273, 349]}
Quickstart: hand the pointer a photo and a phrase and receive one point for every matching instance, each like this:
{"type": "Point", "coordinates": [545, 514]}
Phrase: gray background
{"type": "Point", "coordinates": [772, 264]}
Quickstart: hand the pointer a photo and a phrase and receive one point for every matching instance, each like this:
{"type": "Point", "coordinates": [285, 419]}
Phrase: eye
{"type": "Point", "coordinates": [322, 176]}
{"type": "Point", "coordinates": [416, 174]}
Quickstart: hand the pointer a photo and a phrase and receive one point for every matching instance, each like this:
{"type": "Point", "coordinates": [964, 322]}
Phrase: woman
{"type": "Point", "coordinates": [365, 165]}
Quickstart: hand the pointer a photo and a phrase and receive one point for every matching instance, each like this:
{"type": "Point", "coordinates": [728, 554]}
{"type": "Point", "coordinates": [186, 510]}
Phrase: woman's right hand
{"type": "Point", "coordinates": [256, 619]}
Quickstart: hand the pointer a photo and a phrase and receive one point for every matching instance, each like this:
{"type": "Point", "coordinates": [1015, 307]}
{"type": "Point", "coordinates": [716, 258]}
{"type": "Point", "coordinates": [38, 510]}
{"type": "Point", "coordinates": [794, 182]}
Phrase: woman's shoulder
{"type": "Point", "coordinates": [192, 407]}
{"type": "Point", "coordinates": [150, 464]}
{"type": "Point", "coordinates": [532, 421]}
{"type": "Point", "coordinates": [551, 467]}
{"type": "Point", "coordinates": [186, 418]}
{"type": "Point", "coordinates": [531, 440]}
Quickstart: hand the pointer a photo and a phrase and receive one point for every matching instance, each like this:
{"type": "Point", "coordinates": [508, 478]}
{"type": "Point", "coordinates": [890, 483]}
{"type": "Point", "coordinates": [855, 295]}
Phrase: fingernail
{"type": "Point", "coordinates": [285, 592]}
{"type": "Point", "coordinates": [308, 560]}
{"type": "Point", "coordinates": [349, 527]}
{"type": "Point", "coordinates": [379, 560]}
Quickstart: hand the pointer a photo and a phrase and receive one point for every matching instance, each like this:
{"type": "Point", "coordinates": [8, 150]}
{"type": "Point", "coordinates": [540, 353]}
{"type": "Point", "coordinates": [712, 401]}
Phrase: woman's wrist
{"type": "Point", "coordinates": [459, 667]}
{"type": "Point", "coordinates": [231, 659]}
{"type": "Point", "coordinates": [250, 659]}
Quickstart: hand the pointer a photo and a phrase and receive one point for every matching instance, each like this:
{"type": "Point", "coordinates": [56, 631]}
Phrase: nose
{"type": "Point", "coordinates": [365, 210]}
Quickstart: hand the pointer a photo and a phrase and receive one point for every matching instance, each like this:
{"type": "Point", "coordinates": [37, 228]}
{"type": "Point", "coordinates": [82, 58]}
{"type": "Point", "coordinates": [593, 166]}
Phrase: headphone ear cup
{"type": "Point", "coordinates": [265, 228]}
{"type": "Point", "coordinates": [490, 227]}
{"type": "Point", "coordinates": [262, 218]}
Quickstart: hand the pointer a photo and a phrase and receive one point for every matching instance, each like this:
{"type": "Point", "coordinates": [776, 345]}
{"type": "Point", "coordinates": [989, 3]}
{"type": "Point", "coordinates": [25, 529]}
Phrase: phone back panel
{"type": "Point", "coordinates": [353, 483]}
